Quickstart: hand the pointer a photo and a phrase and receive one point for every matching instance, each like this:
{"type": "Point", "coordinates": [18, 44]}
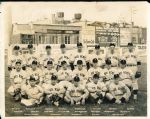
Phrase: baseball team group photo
{"type": "Point", "coordinates": [75, 68]}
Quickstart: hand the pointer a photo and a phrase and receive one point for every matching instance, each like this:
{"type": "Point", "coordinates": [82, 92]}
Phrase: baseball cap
{"type": "Point", "coordinates": [76, 79]}
{"type": "Point", "coordinates": [53, 77]}
{"type": "Point", "coordinates": [79, 44]}
{"type": "Point", "coordinates": [34, 62]}
{"type": "Point", "coordinates": [48, 47]}
{"type": "Point", "coordinates": [62, 46]}
{"type": "Point", "coordinates": [108, 62]}
{"type": "Point", "coordinates": [79, 62]}
{"type": "Point", "coordinates": [111, 44]}
{"type": "Point", "coordinates": [30, 46]}
{"type": "Point", "coordinates": [95, 60]}
{"type": "Point", "coordinates": [16, 47]}
{"type": "Point", "coordinates": [96, 76]}
{"type": "Point", "coordinates": [130, 44]}
{"type": "Point", "coordinates": [32, 78]}
{"type": "Point", "coordinates": [49, 62]}
{"type": "Point", "coordinates": [18, 62]}
{"type": "Point", "coordinates": [97, 46]}
{"type": "Point", "coordinates": [123, 62]}
{"type": "Point", "coordinates": [116, 76]}
{"type": "Point", "coordinates": [63, 62]}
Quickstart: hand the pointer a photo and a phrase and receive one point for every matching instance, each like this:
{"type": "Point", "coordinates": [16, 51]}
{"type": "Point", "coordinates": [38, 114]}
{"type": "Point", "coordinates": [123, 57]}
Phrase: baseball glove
{"type": "Point", "coordinates": [138, 75]}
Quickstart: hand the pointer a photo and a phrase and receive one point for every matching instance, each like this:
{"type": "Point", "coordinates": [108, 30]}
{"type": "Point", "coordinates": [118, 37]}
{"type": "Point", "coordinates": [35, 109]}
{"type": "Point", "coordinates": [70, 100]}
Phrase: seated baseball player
{"type": "Point", "coordinates": [95, 69]}
{"type": "Point", "coordinates": [76, 93]}
{"type": "Point", "coordinates": [96, 89]}
{"type": "Point", "coordinates": [48, 71]}
{"type": "Point", "coordinates": [34, 93]}
{"type": "Point", "coordinates": [118, 91]}
{"type": "Point", "coordinates": [64, 74]}
{"type": "Point", "coordinates": [54, 91]}
{"type": "Point", "coordinates": [17, 79]}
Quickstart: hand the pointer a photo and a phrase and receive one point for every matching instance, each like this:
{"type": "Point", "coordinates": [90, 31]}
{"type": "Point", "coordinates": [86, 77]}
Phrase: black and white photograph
{"type": "Point", "coordinates": [75, 58]}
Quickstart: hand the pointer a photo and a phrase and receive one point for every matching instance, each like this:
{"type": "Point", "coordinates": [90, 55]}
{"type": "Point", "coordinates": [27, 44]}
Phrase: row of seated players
{"type": "Point", "coordinates": [73, 87]}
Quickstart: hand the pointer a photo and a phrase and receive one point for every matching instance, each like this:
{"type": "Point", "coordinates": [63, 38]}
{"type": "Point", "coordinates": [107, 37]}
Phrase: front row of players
{"type": "Point", "coordinates": [110, 85]}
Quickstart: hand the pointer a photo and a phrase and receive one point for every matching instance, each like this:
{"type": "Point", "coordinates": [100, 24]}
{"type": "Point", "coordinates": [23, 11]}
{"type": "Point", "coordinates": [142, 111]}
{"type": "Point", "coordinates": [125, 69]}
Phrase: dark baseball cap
{"type": "Point", "coordinates": [116, 76]}
{"type": "Point", "coordinates": [97, 46]}
{"type": "Point", "coordinates": [34, 62]}
{"type": "Point", "coordinates": [76, 79]}
{"type": "Point", "coordinates": [63, 62]}
{"type": "Point", "coordinates": [53, 77]}
{"type": "Point", "coordinates": [79, 62]}
{"type": "Point", "coordinates": [123, 62]}
{"type": "Point", "coordinates": [16, 47]}
{"type": "Point", "coordinates": [18, 62]}
{"type": "Point", "coordinates": [112, 44]}
{"type": "Point", "coordinates": [49, 62]}
{"type": "Point", "coordinates": [79, 44]}
{"type": "Point", "coordinates": [108, 62]}
{"type": "Point", "coordinates": [62, 46]}
{"type": "Point", "coordinates": [30, 46]}
{"type": "Point", "coordinates": [95, 60]}
{"type": "Point", "coordinates": [96, 76]}
{"type": "Point", "coordinates": [48, 47]}
{"type": "Point", "coordinates": [130, 44]}
{"type": "Point", "coordinates": [32, 78]}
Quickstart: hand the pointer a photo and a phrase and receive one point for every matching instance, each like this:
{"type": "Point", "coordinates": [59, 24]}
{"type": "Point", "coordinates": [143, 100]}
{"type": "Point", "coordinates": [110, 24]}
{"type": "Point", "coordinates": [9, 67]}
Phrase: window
{"type": "Point", "coordinates": [67, 39]}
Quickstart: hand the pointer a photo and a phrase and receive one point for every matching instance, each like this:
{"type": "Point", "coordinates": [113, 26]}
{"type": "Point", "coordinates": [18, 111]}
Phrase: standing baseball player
{"type": "Point", "coordinates": [17, 79]}
{"type": "Point", "coordinates": [97, 89]}
{"type": "Point", "coordinates": [65, 73]}
{"type": "Point", "coordinates": [54, 91]}
{"type": "Point", "coordinates": [63, 56]}
{"type": "Point", "coordinates": [118, 91]}
{"type": "Point", "coordinates": [15, 58]}
{"type": "Point", "coordinates": [81, 72]}
{"type": "Point", "coordinates": [34, 93]}
{"type": "Point", "coordinates": [76, 93]}
{"type": "Point", "coordinates": [113, 55]}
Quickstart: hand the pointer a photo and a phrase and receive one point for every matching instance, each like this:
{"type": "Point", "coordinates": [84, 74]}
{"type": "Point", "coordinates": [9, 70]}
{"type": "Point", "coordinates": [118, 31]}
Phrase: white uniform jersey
{"type": "Point", "coordinates": [100, 58]}
{"type": "Point", "coordinates": [63, 57]}
{"type": "Point", "coordinates": [114, 58]}
{"type": "Point", "coordinates": [64, 75]}
{"type": "Point", "coordinates": [15, 74]}
{"type": "Point", "coordinates": [76, 91]}
{"type": "Point", "coordinates": [32, 57]}
{"type": "Point", "coordinates": [125, 73]}
{"type": "Point", "coordinates": [131, 58]}
{"type": "Point", "coordinates": [47, 75]}
{"type": "Point", "coordinates": [93, 71]}
{"type": "Point", "coordinates": [79, 56]}
{"type": "Point", "coordinates": [81, 73]}
{"type": "Point", "coordinates": [118, 89]}
{"type": "Point", "coordinates": [13, 59]}
{"type": "Point", "coordinates": [45, 58]}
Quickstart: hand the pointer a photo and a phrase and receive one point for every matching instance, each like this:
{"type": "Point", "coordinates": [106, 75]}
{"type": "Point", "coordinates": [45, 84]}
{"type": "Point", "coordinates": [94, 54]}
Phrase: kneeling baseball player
{"type": "Point", "coordinates": [118, 91]}
{"type": "Point", "coordinates": [76, 93]}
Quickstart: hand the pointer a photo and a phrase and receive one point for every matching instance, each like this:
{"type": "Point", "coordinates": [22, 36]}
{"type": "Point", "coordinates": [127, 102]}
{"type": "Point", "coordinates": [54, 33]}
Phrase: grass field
{"type": "Point", "coordinates": [130, 109]}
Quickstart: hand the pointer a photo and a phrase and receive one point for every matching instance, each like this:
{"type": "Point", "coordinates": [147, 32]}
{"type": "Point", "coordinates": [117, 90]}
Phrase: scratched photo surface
{"type": "Point", "coordinates": [75, 58]}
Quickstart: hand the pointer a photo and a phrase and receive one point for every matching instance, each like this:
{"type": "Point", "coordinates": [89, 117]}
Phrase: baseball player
{"type": "Point", "coordinates": [79, 55]}
{"type": "Point", "coordinates": [113, 55]}
{"type": "Point", "coordinates": [64, 74]}
{"type": "Point", "coordinates": [31, 56]}
{"type": "Point", "coordinates": [118, 91]}
{"type": "Point", "coordinates": [54, 91]}
{"type": "Point", "coordinates": [97, 55]}
{"type": "Point", "coordinates": [97, 89]}
{"type": "Point", "coordinates": [95, 69]}
{"type": "Point", "coordinates": [63, 56]}
{"type": "Point", "coordinates": [17, 79]}
{"type": "Point", "coordinates": [81, 72]}
{"type": "Point", "coordinates": [76, 93]}
{"type": "Point", "coordinates": [14, 58]}
{"type": "Point", "coordinates": [48, 71]}
{"type": "Point", "coordinates": [47, 57]}
{"type": "Point", "coordinates": [131, 58]}
{"type": "Point", "coordinates": [34, 71]}
{"type": "Point", "coordinates": [34, 93]}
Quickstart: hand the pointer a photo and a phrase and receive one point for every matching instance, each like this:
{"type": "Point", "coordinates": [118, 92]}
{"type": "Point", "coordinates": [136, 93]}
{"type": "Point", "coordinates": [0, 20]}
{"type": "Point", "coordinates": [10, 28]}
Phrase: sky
{"type": "Point", "coordinates": [25, 12]}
